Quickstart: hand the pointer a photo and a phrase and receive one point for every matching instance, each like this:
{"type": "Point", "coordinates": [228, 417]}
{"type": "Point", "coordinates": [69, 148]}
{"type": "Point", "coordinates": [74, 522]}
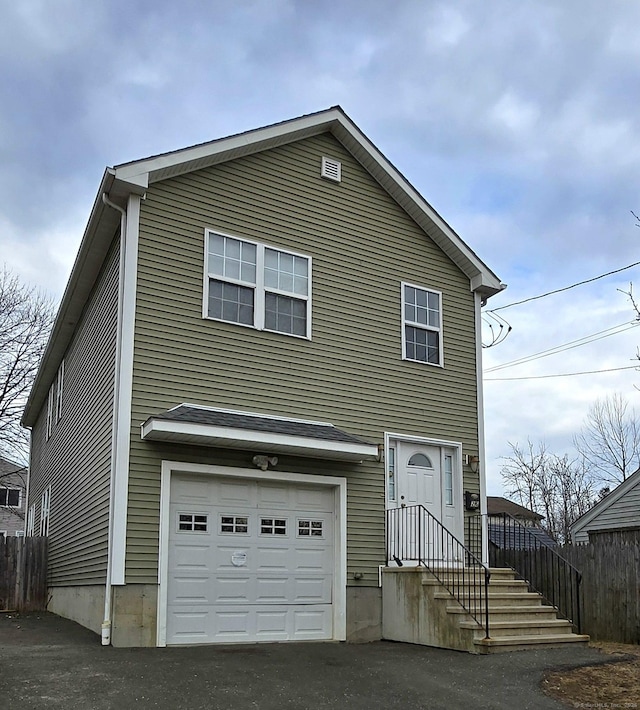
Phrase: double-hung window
{"type": "Point", "coordinates": [256, 285]}
{"type": "Point", "coordinates": [421, 324]}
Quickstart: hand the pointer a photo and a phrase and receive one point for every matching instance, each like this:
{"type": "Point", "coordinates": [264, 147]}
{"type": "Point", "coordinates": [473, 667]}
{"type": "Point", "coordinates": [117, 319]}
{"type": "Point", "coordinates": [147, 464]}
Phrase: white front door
{"type": "Point", "coordinates": [428, 476]}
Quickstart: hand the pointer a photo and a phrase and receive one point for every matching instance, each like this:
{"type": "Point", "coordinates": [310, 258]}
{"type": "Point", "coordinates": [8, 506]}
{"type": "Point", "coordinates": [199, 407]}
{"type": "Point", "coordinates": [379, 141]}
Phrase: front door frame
{"type": "Point", "coordinates": [458, 484]}
{"type": "Point", "coordinates": [339, 484]}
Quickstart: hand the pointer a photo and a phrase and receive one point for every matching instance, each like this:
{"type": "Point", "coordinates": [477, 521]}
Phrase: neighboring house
{"type": "Point", "coordinates": [496, 506]}
{"type": "Point", "coordinates": [13, 490]}
{"type": "Point", "coordinates": [619, 511]}
{"type": "Point", "coordinates": [252, 328]}
{"type": "Point", "coordinates": [503, 533]}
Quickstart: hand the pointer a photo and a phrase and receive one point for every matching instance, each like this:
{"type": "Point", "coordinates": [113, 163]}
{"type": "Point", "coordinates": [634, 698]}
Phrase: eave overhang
{"type": "Point", "coordinates": [261, 441]}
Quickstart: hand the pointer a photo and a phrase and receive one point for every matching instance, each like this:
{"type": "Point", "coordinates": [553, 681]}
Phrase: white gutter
{"type": "Point", "coordinates": [108, 594]}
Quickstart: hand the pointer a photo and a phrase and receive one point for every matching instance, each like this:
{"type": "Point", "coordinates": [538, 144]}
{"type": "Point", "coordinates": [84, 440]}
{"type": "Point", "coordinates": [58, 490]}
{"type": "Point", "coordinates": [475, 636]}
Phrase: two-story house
{"type": "Point", "coordinates": [266, 341]}
{"type": "Point", "coordinates": [13, 490]}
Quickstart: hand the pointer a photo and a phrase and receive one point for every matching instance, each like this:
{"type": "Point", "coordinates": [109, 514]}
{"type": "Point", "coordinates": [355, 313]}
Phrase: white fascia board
{"type": "Point", "coordinates": [251, 141]}
{"type": "Point", "coordinates": [143, 172]}
{"type": "Point", "coordinates": [166, 430]}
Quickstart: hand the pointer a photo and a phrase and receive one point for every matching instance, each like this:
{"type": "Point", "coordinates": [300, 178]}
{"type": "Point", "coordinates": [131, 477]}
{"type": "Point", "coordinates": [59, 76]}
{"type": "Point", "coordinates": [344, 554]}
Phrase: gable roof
{"type": "Point", "coordinates": [497, 505]}
{"type": "Point", "coordinates": [136, 176]}
{"type": "Point", "coordinates": [615, 495]}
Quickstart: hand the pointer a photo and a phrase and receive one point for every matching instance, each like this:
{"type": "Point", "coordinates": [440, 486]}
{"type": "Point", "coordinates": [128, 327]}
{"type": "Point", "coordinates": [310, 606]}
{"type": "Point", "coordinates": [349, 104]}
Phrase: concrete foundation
{"type": "Point", "coordinates": [364, 614]}
{"type": "Point", "coordinates": [134, 615]}
{"type": "Point", "coordinates": [83, 604]}
{"type": "Point", "coordinates": [412, 614]}
{"type": "Point", "coordinates": [134, 612]}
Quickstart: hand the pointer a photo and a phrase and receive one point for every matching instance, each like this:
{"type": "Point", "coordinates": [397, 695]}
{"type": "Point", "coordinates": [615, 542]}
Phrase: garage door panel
{"type": "Point", "coordinates": [312, 499]}
{"type": "Point", "coordinates": [191, 590]}
{"type": "Point", "coordinates": [233, 589]}
{"type": "Point", "coordinates": [188, 627]}
{"type": "Point", "coordinates": [311, 622]}
{"type": "Point", "coordinates": [312, 590]}
{"type": "Point", "coordinates": [273, 496]}
{"type": "Point", "coordinates": [237, 493]}
{"type": "Point", "coordinates": [192, 557]}
{"type": "Point", "coordinates": [265, 572]}
{"type": "Point", "coordinates": [272, 590]}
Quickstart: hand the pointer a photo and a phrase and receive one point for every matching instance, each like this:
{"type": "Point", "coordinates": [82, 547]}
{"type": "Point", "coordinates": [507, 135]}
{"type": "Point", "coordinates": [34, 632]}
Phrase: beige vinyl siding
{"type": "Point", "coordinates": [622, 513]}
{"type": "Point", "coordinates": [363, 245]}
{"type": "Point", "coordinates": [76, 460]}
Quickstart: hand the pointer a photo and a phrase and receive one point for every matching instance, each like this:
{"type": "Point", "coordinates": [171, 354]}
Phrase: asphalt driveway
{"type": "Point", "coordinates": [50, 662]}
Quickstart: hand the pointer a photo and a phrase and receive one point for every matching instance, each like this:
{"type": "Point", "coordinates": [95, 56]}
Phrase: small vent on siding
{"type": "Point", "coordinates": [331, 169]}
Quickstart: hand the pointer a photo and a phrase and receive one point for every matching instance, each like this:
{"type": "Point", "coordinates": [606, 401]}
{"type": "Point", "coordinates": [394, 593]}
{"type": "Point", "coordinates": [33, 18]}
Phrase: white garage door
{"type": "Point", "coordinates": [249, 561]}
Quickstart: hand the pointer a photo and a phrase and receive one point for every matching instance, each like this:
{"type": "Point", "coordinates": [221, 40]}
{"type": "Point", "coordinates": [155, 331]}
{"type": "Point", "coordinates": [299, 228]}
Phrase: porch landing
{"type": "Point", "coordinates": [417, 609]}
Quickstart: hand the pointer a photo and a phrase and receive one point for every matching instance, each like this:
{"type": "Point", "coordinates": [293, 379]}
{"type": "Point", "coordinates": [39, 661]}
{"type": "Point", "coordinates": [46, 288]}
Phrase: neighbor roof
{"type": "Point", "coordinates": [508, 537]}
{"type": "Point", "coordinates": [497, 505]}
{"type": "Point", "coordinates": [615, 495]}
{"type": "Point", "coordinates": [136, 176]}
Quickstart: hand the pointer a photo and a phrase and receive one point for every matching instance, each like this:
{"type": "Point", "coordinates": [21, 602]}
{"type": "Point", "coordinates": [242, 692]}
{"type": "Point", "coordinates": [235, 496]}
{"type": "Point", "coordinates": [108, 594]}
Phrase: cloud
{"type": "Point", "coordinates": [517, 121]}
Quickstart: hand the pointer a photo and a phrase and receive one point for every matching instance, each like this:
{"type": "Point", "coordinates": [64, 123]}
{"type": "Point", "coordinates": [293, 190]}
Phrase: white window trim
{"type": "Point", "coordinates": [59, 391]}
{"type": "Point", "coordinates": [45, 511]}
{"type": "Point", "coordinates": [3, 533]}
{"type": "Point", "coordinates": [31, 520]}
{"type": "Point", "coordinates": [339, 486]}
{"type": "Point", "coordinates": [259, 288]}
{"type": "Point", "coordinates": [422, 326]}
{"type": "Point", "coordinates": [19, 533]}
{"type": "Point", "coordinates": [50, 401]}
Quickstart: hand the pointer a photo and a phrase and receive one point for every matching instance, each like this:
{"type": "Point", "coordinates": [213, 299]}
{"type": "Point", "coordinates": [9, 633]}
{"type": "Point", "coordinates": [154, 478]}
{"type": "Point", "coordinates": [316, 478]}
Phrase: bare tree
{"type": "Point", "coordinates": [522, 471]}
{"type": "Point", "coordinates": [610, 439]}
{"type": "Point", "coordinates": [557, 487]}
{"type": "Point", "coordinates": [26, 317]}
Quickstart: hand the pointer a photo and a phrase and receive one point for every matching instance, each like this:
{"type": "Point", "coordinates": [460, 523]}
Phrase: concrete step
{"type": "Point", "coordinates": [501, 598]}
{"type": "Point", "coordinates": [540, 613]}
{"type": "Point", "coordinates": [502, 644]}
{"type": "Point", "coordinates": [535, 627]}
{"type": "Point", "coordinates": [500, 586]}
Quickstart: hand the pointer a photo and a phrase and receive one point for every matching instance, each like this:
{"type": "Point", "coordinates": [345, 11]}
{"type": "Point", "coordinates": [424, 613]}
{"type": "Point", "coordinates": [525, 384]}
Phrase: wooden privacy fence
{"type": "Point", "coordinates": [610, 585]}
{"type": "Point", "coordinates": [23, 573]}
{"type": "Point", "coordinates": [610, 567]}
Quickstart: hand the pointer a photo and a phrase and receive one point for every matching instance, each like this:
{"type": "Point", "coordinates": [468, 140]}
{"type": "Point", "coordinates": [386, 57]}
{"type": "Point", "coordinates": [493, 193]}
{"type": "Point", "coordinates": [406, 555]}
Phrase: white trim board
{"type": "Point", "coordinates": [339, 484]}
{"type": "Point", "coordinates": [263, 441]}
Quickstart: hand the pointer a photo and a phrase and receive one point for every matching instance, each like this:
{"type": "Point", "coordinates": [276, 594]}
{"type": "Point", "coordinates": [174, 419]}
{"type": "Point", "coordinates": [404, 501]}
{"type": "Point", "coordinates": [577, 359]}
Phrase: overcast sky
{"type": "Point", "coordinates": [516, 119]}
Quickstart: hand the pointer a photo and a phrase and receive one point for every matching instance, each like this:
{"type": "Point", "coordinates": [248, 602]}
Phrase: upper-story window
{"type": "Point", "coordinates": [421, 325]}
{"type": "Point", "coordinates": [258, 286]}
{"type": "Point", "coordinates": [54, 401]}
{"type": "Point", "coordinates": [10, 497]}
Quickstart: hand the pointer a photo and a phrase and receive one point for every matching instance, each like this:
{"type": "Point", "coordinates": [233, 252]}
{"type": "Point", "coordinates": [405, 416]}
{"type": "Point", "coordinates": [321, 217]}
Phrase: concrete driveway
{"type": "Point", "coordinates": [49, 662]}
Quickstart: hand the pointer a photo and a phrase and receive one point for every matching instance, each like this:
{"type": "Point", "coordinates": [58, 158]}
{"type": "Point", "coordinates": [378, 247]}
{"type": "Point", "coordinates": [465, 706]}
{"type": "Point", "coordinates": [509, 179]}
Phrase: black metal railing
{"type": "Point", "coordinates": [530, 553]}
{"type": "Point", "coordinates": [414, 535]}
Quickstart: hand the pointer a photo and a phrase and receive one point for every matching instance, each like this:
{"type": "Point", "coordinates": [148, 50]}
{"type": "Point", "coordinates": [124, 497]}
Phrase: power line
{"type": "Point", "coordinates": [585, 340]}
{"type": "Point", "coordinates": [566, 374]}
{"type": "Point", "coordinates": [565, 288]}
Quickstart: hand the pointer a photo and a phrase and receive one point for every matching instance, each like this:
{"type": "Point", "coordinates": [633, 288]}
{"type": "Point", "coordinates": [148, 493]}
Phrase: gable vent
{"type": "Point", "coordinates": [331, 169]}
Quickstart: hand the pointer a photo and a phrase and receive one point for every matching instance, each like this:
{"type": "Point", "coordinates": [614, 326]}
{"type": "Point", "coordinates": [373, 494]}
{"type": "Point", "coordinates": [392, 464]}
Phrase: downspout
{"type": "Point", "coordinates": [481, 442]}
{"type": "Point", "coordinates": [108, 592]}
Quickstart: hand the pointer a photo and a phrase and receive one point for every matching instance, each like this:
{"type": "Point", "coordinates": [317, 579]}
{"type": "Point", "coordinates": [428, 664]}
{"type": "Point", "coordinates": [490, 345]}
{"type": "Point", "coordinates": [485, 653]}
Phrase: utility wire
{"type": "Point", "coordinates": [566, 346]}
{"type": "Point", "coordinates": [566, 374]}
{"type": "Point", "coordinates": [566, 288]}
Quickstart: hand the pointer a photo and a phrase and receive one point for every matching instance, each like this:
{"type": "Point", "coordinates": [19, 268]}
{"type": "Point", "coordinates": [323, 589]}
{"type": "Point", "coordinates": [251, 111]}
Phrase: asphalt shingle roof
{"type": "Point", "coordinates": [273, 425]}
